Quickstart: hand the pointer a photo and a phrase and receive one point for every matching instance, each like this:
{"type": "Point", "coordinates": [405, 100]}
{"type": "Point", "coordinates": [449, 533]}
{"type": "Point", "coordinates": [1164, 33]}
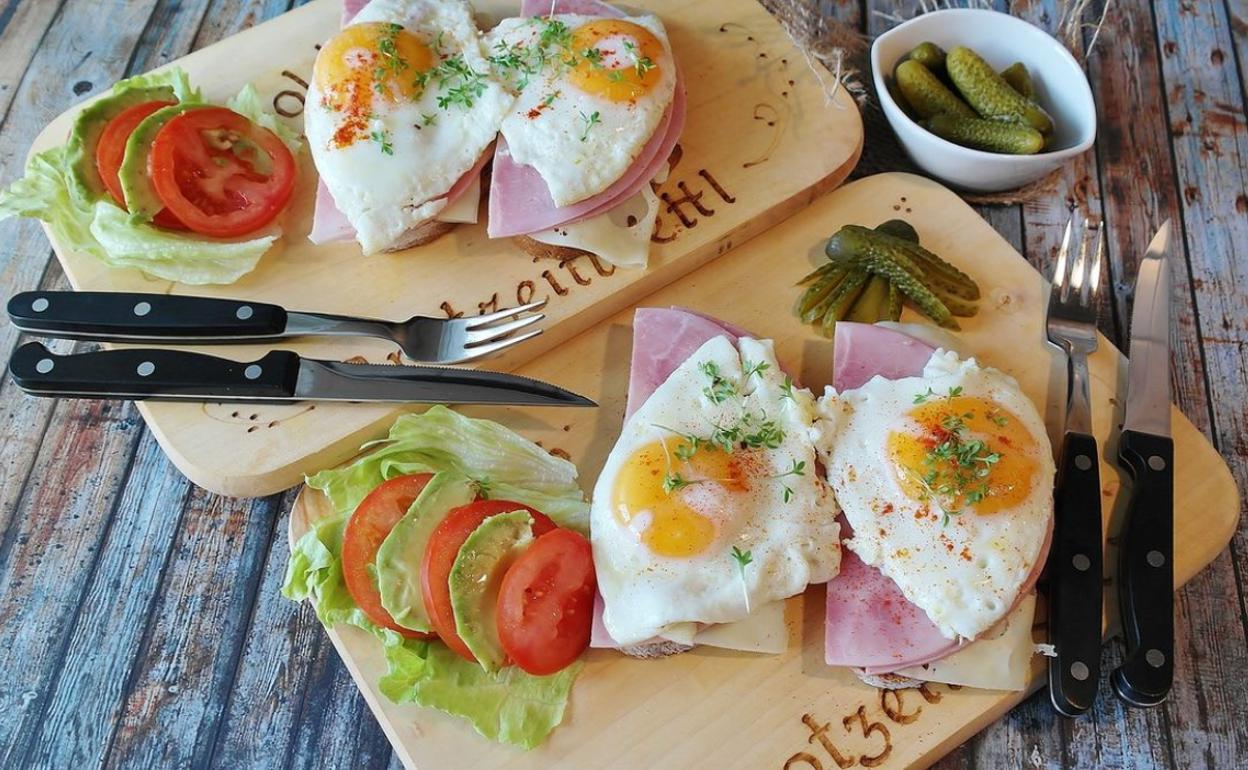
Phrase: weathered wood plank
{"type": "Point", "coordinates": [1205, 107]}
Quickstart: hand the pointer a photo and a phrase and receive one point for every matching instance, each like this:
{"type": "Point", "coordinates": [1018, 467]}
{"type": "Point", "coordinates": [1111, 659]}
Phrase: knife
{"type": "Point", "coordinates": [280, 376]}
{"type": "Point", "coordinates": [1146, 453]}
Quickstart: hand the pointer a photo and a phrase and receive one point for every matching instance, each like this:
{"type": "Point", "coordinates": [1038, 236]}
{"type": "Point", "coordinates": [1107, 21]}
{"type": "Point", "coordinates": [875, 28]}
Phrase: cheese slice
{"type": "Point", "coordinates": [763, 631]}
{"type": "Point", "coordinates": [999, 662]}
{"type": "Point", "coordinates": [620, 236]}
{"type": "Point", "coordinates": [465, 208]}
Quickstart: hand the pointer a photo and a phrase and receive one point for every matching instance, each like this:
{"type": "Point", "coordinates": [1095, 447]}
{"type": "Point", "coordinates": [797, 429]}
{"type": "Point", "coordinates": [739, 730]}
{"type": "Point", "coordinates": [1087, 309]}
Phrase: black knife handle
{"type": "Point", "coordinates": [1145, 570]}
{"type": "Point", "coordinates": [1075, 578]}
{"type": "Point", "coordinates": [138, 374]}
{"type": "Point", "coordinates": [132, 317]}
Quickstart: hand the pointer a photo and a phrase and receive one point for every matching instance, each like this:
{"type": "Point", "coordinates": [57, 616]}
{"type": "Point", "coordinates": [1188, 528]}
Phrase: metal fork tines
{"type": "Point", "coordinates": [433, 340]}
{"type": "Point", "coordinates": [1071, 323]}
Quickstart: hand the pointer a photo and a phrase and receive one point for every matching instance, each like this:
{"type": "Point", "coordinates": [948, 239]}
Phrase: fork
{"type": "Point", "coordinates": [162, 318]}
{"type": "Point", "coordinates": [1075, 560]}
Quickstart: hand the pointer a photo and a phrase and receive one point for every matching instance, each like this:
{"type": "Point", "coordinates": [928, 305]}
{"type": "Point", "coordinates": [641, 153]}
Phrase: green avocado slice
{"type": "Point", "coordinates": [475, 577]}
{"type": "Point", "coordinates": [85, 135]}
{"type": "Point", "coordinates": [399, 557]}
{"type": "Point", "coordinates": [141, 199]}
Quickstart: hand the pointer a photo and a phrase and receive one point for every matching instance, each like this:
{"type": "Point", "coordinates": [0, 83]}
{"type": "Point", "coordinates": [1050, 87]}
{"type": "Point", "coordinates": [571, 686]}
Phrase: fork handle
{"type": "Point", "coordinates": [1075, 578]}
{"type": "Point", "coordinates": [136, 317]}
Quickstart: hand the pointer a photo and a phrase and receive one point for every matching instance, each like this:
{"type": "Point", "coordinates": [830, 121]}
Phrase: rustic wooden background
{"type": "Point", "coordinates": [140, 620]}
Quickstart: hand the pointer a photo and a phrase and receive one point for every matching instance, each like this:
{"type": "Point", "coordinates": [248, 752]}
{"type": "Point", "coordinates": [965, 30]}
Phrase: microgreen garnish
{"type": "Point", "coordinates": [382, 137]}
{"type": "Point", "coordinates": [786, 388]}
{"type": "Point", "coordinates": [743, 559]}
{"type": "Point", "coordinates": [428, 119]}
{"type": "Point", "coordinates": [549, 100]}
{"type": "Point", "coordinates": [996, 418]}
{"type": "Point", "coordinates": [957, 466]}
{"type": "Point", "coordinates": [591, 120]}
{"type": "Point", "coordinates": [720, 389]}
{"type": "Point", "coordinates": [482, 488]}
{"type": "Point", "coordinates": [458, 83]}
{"type": "Point", "coordinates": [798, 469]}
{"type": "Point", "coordinates": [752, 369]}
{"type": "Point", "coordinates": [391, 64]}
{"type": "Point", "coordinates": [593, 56]}
{"type": "Point", "coordinates": [673, 481]}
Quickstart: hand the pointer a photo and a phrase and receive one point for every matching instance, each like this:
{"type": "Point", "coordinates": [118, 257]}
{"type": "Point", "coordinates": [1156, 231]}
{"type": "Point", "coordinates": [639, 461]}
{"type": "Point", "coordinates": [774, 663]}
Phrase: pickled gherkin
{"type": "Point", "coordinates": [929, 55]}
{"type": "Point", "coordinates": [926, 95]}
{"type": "Point", "coordinates": [989, 93]}
{"type": "Point", "coordinates": [1019, 79]}
{"type": "Point", "coordinates": [988, 135]}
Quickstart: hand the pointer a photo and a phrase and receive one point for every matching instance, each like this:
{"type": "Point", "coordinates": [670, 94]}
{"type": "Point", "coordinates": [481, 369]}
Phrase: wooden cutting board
{"type": "Point", "coordinates": [712, 708]}
{"type": "Point", "coordinates": [762, 140]}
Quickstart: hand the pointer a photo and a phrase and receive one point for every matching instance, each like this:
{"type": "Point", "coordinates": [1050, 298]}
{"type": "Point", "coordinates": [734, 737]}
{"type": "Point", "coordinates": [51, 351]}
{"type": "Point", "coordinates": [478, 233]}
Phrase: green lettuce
{"type": "Point", "coordinates": [505, 465]}
{"type": "Point", "coordinates": [509, 706]}
{"type": "Point", "coordinates": [89, 222]}
{"type": "Point", "coordinates": [248, 104]}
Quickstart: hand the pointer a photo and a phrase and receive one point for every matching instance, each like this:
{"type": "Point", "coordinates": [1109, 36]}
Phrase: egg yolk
{"type": "Point", "coordinates": [967, 453]}
{"type": "Point", "coordinates": [615, 59]}
{"type": "Point", "coordinates": [365, 61]}
{"type": "Point", "coordinates": [650, 485]}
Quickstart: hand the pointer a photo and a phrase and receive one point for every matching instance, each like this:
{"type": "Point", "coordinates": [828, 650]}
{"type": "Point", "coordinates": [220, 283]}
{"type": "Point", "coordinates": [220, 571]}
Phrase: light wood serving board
{"type": "Point", "coordinates": [761, 141]}
{"type": "Point", "coordinates": [712, 708]}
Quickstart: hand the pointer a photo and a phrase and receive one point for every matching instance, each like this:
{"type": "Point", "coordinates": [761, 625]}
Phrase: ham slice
{"type": "Point", "coordinates": [520, 202]}
{"type": "Point", "coordinates": [870, 623]}
{"type": "Point", "coordinates": [350, 8]}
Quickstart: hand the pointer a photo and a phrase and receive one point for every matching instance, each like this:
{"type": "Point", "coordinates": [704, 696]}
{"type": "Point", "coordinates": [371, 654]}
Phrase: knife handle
{"type": "Point", "coordinates": [137, 374]}
{"type": "Point", "coordinates": [133, 317]}
{"type": "Point", "coordinates": [1145, 570]}
{"type": "Point", "coordinates": [1075, 578]}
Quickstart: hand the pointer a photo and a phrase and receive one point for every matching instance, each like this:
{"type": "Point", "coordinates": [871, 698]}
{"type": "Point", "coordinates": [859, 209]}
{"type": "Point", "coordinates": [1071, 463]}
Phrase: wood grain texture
{"type": "Point", "coordinates": [288, 700]}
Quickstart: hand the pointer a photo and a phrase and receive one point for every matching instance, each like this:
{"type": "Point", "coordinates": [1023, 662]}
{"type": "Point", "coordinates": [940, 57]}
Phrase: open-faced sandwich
{"type": "Point", "coordinates": [585, 102]}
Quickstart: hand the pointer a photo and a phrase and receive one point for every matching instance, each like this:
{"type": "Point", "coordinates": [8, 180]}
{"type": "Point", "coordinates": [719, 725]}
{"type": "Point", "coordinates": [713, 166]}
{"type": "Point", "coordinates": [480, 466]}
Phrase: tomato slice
{"type": "Point", "coordinates": [111, 150]}
{"type": "Point", "coordinates": [220, 173]}
{"type": "Point", "coordinates": [368, 526]}
{"type": "Point", "coordinates": [444, 545]}
{"type": "Point", "coordinates": [545, 607]}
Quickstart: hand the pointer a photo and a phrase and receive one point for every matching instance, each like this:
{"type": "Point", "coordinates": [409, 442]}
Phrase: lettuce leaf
{"type": "Point", "coordinates": [505, 465]}
{"type": "Point", "coordinates": [509, 706]}
{"type": "Point", "coordinates": [91, 223]}
{"type": "Point", "coordinates": [248, 104]}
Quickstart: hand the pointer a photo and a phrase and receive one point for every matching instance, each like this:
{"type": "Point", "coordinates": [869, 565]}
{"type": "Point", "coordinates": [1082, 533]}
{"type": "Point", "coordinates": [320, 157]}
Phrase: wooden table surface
{"type": "Point", "coordinates": [140, 619]}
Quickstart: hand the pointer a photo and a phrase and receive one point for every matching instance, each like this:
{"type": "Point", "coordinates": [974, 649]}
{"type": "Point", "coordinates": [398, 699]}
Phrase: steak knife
{"type": "Point", "coordinates": [1146, 453]}
{"type": "Point", "coordinates": [280, 376]}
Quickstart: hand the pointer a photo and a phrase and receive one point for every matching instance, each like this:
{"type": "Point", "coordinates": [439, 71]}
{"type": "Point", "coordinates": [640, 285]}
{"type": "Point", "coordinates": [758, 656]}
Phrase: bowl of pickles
{"type": "Point", "coordinates": [982, 100]}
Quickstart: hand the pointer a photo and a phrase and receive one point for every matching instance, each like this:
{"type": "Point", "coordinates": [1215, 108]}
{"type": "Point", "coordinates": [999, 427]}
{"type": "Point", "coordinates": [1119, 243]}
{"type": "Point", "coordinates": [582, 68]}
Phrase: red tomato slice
{"type": "Point", "coordinates": [111, 150]}
{"type": "Point", "coordinates": [546, 603]}
{"type": "Point", "coordinates": [368, 526]}
{"type": "Point", "coordinates": [444, 545]}
{"type": "Point", "coordinates": [220, 173]}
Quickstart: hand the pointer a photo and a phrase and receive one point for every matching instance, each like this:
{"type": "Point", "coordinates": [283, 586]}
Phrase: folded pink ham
{"type": "Point", "coordinates": [870, 624]}
{"type": "Point", "coordinates": [520, 202]}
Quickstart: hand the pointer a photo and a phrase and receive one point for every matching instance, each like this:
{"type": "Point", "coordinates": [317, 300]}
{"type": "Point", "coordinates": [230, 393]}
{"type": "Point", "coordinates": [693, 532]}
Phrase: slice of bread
{"type": "Point", "coordinates": [656, 650]}
{"type": "Point", "coordinates": [425, 232]}
{"type": "Point", "coordinates": [887, 681]}
{"type": "Point", "coordinates": [539, 250]}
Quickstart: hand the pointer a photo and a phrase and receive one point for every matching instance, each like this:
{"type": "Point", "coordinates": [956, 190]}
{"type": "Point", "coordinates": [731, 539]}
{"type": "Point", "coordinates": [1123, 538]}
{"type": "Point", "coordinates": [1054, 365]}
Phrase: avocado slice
{"type": "Point", "coordinates": [475, 577]}
{"type": "Point", "coordinates": [85, 135]}
{"type": "Point", "coordinates": [141, 199]}
{"type": "Point", "coordinates": [399, 557]}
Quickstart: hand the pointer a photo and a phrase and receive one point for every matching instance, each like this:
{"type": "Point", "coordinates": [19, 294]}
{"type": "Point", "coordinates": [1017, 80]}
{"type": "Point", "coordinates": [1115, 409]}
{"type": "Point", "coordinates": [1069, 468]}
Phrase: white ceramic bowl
{"type": "Point", "coordinates": [1061, 88]}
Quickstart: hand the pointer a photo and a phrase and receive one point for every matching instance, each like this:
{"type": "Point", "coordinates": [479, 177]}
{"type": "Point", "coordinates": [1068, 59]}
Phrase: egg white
{"type": "Point", "coordinates": [385, 195]}
{"type": "Point", "coordinates": [791, 544]}
{"type": "Point", "coordinates": [548, 126]}
{"type": "Point", "coordinates": [965, 573]}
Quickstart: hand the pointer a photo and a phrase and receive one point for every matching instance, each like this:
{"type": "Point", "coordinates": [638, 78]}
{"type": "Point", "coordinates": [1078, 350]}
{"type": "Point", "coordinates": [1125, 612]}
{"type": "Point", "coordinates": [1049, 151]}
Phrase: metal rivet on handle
{"type": "Point", "coordinates": [40, 305]}
{"type": "Point", "coordinates": [1155, 658]}
{"type": "Point", "coordinates": [1157, 462]}
{"type": "Point", "coordinates": [145, 369]}
{"type": "Point", "coordinates": [1155, 558]}
{"type": "Point", "coordinates": [1079, 670]}
{"type": "Point", "coordinates": [253, 372]}
{"type": "Point", "coordinates": [143, 308]}
{"type": "Point", "coordinates": [1081, 562]}
{"type": "Point", "coordinates": [244, 312]}
{"type": "Point", "coordinates": [44, 365]}
{"type": "Point", "coordinates": [1083, 462]}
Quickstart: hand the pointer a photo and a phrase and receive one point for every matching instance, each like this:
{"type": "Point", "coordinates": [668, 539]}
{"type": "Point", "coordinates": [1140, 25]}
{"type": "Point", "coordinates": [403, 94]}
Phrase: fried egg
{"type": "Point", "coordinates": [710, 504]}
{"type": "Point", "coordinates": [592, 91]}
{"type": "Point", "coordinates": [402, 104]}
{"type": "Point", "coordinates": [947, 482]}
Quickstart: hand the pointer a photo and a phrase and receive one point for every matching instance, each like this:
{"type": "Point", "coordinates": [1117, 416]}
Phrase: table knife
{"type": "Point", "coordinates": [1146, 453]}
{"type": "Point", "coordinates": [280, 376]}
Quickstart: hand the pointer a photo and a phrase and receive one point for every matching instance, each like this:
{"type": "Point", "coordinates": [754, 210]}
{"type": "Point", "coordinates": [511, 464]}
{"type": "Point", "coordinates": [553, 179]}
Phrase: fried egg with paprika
{"type": "Point", "coordinates": [947, 482]}
{"type": "Point", "coordinates": [710, 503]}
{"type": "Point", "coordinates": [402, 104]}
{"type": "Point", "coordinates": [591, 93]}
